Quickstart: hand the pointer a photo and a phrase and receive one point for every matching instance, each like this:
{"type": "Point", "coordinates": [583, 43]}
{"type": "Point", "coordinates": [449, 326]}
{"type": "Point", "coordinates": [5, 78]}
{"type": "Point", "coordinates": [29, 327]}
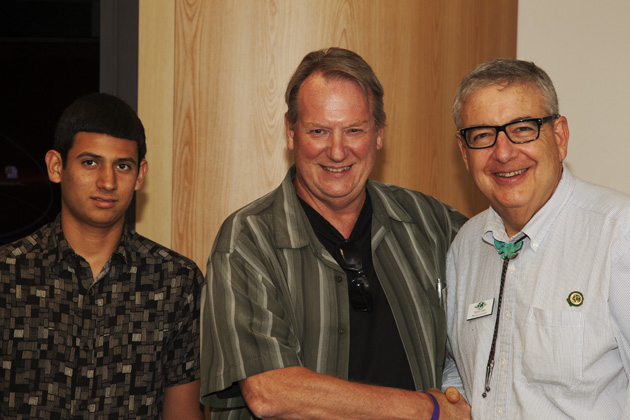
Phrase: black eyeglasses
{"type": "Point", "coordinates": [360, 290]}
{"type": "Point", "coordinates": [518, 132]}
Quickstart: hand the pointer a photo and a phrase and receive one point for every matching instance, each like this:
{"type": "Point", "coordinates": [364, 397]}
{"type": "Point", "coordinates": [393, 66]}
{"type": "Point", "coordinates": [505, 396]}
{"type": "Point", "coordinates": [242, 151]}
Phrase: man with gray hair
{"type": "Point", "coordinates": [323, 299]}
{"type": "Point", "coordinates": [538, 313]}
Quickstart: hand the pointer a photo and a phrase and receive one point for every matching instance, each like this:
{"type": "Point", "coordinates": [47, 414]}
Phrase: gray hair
{"type": "Point", "coordinates": [505, 71]}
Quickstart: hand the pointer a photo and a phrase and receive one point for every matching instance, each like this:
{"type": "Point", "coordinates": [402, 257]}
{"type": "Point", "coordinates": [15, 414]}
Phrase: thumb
{"type": "Point", "coordinates": [452, 394]}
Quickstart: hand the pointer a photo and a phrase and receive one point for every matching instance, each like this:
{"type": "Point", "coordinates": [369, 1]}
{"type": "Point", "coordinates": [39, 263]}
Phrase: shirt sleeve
{"type": "Point", "coordinates": [450, 374]}
{"type": "Point", "coordinates": [182, 363]}
{"type": "Point", "coordinates": [619, 303]}
{"type": "Point", "coordinates": [247, 326]}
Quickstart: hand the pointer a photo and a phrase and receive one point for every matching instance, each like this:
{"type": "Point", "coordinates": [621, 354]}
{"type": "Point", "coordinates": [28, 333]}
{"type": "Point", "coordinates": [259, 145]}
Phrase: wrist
{"type": "Point", "coordinates": [435, 415]}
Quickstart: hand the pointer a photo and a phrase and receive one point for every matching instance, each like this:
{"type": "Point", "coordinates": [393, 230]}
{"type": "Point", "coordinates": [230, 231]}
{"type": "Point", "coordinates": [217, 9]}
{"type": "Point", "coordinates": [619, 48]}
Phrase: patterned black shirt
{"type": "Point", "coordinates": [77, 348]}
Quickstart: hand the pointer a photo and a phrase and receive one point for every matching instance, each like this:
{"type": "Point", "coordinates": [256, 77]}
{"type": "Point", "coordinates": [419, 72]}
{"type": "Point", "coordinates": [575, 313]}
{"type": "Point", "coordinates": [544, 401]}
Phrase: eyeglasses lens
{"type": "Point", "coordinates": [517, 132]}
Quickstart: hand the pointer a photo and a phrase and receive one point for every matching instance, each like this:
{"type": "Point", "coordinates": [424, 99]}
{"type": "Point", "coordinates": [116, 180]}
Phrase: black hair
{"type": "Point", "coordinates": [99, 113]}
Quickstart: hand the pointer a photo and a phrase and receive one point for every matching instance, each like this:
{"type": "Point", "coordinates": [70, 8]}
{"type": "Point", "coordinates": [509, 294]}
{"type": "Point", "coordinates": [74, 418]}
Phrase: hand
{"type": "Point", "coordinates": [452, 404]}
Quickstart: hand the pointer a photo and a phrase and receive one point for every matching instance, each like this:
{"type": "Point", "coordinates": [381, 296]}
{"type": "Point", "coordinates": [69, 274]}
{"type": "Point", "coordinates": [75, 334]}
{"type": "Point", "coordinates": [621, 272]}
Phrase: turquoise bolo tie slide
{"type": "Point", "coordinates": [508, 251]}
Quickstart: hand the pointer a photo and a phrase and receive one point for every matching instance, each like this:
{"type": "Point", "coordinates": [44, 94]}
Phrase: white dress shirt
{"type": "Point", "coordinates": [553, 360]}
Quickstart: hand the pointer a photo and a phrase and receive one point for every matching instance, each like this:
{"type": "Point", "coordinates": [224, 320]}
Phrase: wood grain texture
{"type": "Point", "coordinates": [156, 64]}
{"type": "Point", "coordinates": [233, 61]}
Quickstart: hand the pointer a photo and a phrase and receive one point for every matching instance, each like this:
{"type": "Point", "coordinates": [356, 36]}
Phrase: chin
{"type": "Point", "coordinates": [106, 223]}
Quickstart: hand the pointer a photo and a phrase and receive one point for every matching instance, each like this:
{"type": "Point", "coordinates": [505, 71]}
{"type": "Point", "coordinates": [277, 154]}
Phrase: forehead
{"type": "Point", "coordinates": [103, 145]}
{"type": "Point", "coordinates": [497, 104]}
{"type": "Point", "coordinates": [319, 94]}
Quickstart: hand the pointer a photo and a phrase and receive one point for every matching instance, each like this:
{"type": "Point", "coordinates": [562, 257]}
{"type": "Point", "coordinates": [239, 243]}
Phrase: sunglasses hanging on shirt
{"type": "Point", "coordinates": [360, 291]}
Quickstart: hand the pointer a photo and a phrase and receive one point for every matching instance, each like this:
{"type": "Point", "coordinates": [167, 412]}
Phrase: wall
{"type": "Point", "coordinates": [583, 46]}
{"type": "Point", "coordinates": [212, 80]}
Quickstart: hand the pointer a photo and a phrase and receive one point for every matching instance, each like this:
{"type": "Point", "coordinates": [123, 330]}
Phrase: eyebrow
{"type": "Point", "coordinates": [352, 124]}
{"type": "Point", "coordinates": [509, 122]}
{"type": "Point", "coordinates": [127, 160]}
{"type": "Point", "coordinates": [521, 118]}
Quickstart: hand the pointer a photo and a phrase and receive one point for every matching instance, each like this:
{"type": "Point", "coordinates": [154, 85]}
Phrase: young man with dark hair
{"type": "Point", "coordinates": [96, 320]}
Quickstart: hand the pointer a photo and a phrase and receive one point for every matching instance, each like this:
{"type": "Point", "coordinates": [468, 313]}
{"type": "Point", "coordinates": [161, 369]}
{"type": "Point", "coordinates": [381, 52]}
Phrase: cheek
{"type": "Point", "coordinates": [364, 147]}
{"type": "Point", "coordinates": [308, 150]}
{"type": "Point", "coordinates": [476, 163]}
{"type": "Point", "coordinates": [73, 182]}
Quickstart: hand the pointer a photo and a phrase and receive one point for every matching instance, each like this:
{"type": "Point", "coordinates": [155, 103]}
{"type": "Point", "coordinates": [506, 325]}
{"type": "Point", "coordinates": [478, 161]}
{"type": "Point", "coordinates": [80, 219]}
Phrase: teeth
{"type": "Point", "coordinates": [336, 169]}
{"type": "Point", "coordinates": [510, 174]}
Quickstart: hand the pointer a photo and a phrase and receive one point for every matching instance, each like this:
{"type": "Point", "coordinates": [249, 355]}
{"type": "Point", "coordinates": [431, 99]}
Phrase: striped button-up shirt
{"type": "Point", "coordinates": [276, 298]}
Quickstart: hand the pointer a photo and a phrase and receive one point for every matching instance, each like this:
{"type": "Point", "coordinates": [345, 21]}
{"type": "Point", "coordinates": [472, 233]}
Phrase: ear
{"type": "Point", "coordinates": [561, 134]}
{"type": "Point", "coordinates": [290, 133]}
{"type": "Point", "coordinates": [54, 166]}
{"type": "Point", "coordinates": [379, 138]}
{"type": "Point", "coordinates": [463, 150]}
{"type": "Point", "coordinates": [142, 172]}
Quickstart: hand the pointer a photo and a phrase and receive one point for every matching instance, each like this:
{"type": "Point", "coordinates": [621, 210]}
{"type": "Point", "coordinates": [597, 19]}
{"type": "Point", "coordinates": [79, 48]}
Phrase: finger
{"type": "Point", "coordinates": [452, 394]}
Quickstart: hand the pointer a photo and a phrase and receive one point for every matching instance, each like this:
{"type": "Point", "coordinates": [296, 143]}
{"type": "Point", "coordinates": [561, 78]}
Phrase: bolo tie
{"type": "Point", "coordinates": [507, 251]}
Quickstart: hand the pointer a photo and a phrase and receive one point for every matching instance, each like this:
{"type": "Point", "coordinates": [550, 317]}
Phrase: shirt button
{"type": "Point", "coordinates": [499, 411]}
{"type": "Point", "coordinates": [535, 245]}
{"type": "Point", "coordinates": [338, 279]}
{"type": "Point", "coordinates": [512, 268]}
{"type": "Point", "coordinates": [503, 362]}
{"type": "Point", "coordinates": [341, 331]}
{"type": "Point", "coordinates": [508, 315]}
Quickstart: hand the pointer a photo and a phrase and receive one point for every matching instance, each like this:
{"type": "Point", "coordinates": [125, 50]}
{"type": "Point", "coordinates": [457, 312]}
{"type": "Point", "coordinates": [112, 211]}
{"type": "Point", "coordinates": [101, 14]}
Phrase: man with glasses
{"type": "Point", "coordinates": [538, 302]}
{"type": "Point", "coordinates": [323, 297]}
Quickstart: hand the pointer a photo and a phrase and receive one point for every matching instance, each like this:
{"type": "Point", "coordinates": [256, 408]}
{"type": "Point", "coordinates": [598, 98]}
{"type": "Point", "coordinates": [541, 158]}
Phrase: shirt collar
{"type": "Point", "coordinates": [295, 231]}
{"type": "Point", "coordinates": [539, 225]}
{"type": "Point", "coordinates": [58, 243]}
{"type": "Point", "coordinates": [64, 252]}
{"type": "Point", "coordinates": [291, 226]}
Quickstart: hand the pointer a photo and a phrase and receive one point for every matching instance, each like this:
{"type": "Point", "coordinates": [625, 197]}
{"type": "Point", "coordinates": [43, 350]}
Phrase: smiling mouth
{"type": "Point", "coordinates": [336, 170]}
{"type": "Point", "coordinates": [510, 174]}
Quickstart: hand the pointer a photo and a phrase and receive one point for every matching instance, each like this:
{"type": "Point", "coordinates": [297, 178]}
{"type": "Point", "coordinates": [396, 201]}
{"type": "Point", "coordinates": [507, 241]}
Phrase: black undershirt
{"type": "Point", "coordinates": [377, 355]}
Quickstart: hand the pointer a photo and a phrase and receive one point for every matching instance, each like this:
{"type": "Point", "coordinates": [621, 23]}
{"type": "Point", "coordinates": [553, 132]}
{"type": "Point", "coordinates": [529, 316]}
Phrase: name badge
{"type": "Point", "coordinates": [480, 309]}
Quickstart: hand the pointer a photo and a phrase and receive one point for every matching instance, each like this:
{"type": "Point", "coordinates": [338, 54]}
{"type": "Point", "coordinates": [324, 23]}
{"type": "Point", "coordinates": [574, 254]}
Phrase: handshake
{"type": "Point", "coordinates": [450, 404]}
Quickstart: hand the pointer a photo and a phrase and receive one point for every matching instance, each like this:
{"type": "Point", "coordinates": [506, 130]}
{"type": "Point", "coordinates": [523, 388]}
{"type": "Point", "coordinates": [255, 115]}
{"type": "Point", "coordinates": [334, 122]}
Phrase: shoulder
{"type": "Point", "coordinates": [601, 200]}
{"type": "Point", "coordinates": [414, 203]}
{"type": "Point", "coordinates": [471, 231]}
{"type": "Point", "coordinates": [150, 253]}
{"type": "Point", "coordinates": [31, 246]}
{"type": "Point", "coordinates": [603, 212]}
{"type": "Point", "coordinates": [258, 218]}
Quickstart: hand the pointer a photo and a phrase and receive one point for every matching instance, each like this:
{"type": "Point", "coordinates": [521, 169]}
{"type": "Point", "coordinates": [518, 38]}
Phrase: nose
{"type": "Point", "coordinates": [504, 150]}
{"type": "Point", "coordinates": [107, 179]}
{"type": "Point", "coordinates": [337, 150]}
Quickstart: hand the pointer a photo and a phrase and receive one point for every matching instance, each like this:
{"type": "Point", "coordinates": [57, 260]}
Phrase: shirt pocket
{"type": "Point", "coordinates": [553, 347]}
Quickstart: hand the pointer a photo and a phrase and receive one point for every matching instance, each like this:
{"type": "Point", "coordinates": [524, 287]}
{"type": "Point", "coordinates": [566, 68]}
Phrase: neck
{"type": "Point", "coordinates": [515, 219]}
{"type": "Point", "coordinates": [342, 216]}
{"type": "Point", "coordinates": [343, 219]}
{"type": "Point", "coordinates": [94, 244]}
{"type": "Point", "coordinates": [344, 223]}
{"type": "Point", "coordinates": [512, 227]}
